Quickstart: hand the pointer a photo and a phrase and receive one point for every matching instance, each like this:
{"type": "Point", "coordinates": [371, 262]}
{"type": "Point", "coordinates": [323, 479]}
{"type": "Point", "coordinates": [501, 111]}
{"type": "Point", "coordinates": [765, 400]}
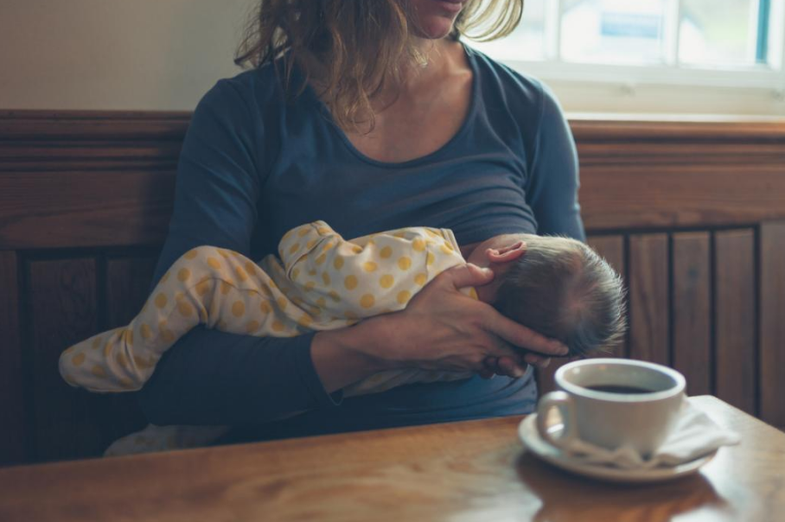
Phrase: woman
{"type": "Point", "coordinates": [371, 116]}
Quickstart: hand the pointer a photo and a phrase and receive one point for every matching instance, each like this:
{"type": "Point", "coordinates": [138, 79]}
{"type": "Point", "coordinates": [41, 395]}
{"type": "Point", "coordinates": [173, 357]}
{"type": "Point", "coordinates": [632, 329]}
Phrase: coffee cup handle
{"type": "Point", "coordinates": [564, 403]}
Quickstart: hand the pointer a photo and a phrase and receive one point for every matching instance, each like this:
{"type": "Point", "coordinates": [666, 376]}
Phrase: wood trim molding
{"type": "Point", "coordinates": [678, 131]}
{"type": "Point", "coordinates": [108, 125]}
{"type": "Point", "coordinates": [65, 141]}
{"type": "Point", "coordinates": [24, 125]}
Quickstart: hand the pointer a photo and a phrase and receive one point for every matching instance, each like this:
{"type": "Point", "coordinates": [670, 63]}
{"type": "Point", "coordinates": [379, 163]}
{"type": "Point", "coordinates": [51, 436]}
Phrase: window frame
{"type": "Point", "coordinates": [763, 83]}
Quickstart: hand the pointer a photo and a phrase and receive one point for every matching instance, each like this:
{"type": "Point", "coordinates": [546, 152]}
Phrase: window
{"type": "Point", "coordinates": [710, 43]}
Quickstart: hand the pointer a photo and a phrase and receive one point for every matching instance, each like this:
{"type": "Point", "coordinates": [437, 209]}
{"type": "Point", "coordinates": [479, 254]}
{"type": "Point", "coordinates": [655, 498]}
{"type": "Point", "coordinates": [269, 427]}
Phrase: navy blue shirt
{"type": "Point", "coordinates": [255, 164]}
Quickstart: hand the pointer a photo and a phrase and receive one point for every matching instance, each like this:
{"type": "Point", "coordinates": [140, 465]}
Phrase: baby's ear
{"type": "Point", "coordinates": [506, 254]}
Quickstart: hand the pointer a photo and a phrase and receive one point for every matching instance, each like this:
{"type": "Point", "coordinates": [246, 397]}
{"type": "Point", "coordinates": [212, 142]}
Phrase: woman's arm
{"type": "Point", "coordinates": [211, 377]}
{"type": "Point", "coordinates": [552, 187]}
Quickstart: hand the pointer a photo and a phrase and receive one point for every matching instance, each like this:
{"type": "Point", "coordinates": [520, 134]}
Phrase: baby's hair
{"type": "Point", "coordinates": [562, 289]}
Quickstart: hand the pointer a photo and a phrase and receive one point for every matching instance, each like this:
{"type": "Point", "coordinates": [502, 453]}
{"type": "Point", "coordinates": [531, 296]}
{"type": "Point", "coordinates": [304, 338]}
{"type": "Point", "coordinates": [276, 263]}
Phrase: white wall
{"type": "Point", "coordinates": [165, 54]}
{"type": "Point", "coordinates": [116, 54]}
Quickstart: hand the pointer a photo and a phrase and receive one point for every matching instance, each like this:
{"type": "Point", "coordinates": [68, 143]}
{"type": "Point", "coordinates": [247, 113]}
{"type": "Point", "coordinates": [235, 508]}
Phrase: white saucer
{"type": "Point", "coordinates": [549, 453]}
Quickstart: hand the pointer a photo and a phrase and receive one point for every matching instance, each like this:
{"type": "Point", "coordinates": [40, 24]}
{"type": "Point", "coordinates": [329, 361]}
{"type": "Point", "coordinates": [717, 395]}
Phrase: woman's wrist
{"type": "Point", "coordinates": [348, 355]}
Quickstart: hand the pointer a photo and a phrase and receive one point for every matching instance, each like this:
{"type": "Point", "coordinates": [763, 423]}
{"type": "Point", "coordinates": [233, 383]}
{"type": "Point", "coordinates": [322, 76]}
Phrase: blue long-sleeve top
{"type": "Point", "coordinates": [256, 163]}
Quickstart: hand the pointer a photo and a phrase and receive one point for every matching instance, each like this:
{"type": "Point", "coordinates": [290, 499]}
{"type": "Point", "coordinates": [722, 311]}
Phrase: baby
{"type": "Point", "coordinates": [559, 288]}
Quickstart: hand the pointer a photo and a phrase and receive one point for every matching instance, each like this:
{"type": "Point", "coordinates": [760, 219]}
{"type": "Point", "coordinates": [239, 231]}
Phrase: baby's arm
{"type": "Point", "coordinates": [366, 276]}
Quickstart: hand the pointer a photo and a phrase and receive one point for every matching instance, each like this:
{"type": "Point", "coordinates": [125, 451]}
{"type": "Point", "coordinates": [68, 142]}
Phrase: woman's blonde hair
{"type": "Point", "coordinates": [354, 47]}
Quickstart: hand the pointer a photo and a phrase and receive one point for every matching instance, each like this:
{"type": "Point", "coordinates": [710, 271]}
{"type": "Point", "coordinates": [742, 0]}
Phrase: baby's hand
{"type": "Point", "coordinates": [503, 366]}
{"type": "Point", "coordinates": [511, 368]}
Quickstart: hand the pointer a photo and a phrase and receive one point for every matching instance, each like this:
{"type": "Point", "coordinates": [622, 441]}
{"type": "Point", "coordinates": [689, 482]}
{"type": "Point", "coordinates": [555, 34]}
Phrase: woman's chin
{"type": "Point", "coordinates": [434, 28]}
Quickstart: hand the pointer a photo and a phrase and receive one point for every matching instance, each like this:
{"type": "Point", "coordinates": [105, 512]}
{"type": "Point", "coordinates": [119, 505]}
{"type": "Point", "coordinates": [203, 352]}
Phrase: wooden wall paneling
{"type": "Point", "coordinates": [612, 249]}
{"type": "Point", "coordinates": [691, 302]}
{"type": "Point", "coordinates": [648, 279]}
{"type": "Point", "coordinates": [677, 195]}
{"type": "Point", "coordinates": [71, 178]}
{"type": "Point", "coordinates": [63, 310]}
{"type": "Point", "coordinates": [772, 322]}
{"type": "Point", "coordinates": [735, 322]}
{"type": "Point", "coordinates": [91, 179]}
{"type": "Point", "coordinates": [12, 398]}
{"type": "Point", "coordinates": [87, 208]}
{"type": "Point", "coordinates": [690, 171]}
{"type": "Point", "coordinates": [127, 283]}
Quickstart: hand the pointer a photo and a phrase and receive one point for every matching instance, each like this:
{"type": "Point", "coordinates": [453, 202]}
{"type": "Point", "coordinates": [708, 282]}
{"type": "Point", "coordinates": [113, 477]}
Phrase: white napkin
{"type": "Point", "coordinates": [693, 436]}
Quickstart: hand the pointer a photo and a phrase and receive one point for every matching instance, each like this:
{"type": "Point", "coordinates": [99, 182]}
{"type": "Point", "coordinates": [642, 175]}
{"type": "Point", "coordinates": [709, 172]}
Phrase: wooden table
{"type": "Point", "coordinates": [455, 472]}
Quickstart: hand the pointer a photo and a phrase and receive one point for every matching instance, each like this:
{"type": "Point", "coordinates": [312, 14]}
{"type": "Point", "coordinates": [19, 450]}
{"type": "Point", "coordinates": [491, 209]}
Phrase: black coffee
{"type": "Point", "coordinates": [616, 388]}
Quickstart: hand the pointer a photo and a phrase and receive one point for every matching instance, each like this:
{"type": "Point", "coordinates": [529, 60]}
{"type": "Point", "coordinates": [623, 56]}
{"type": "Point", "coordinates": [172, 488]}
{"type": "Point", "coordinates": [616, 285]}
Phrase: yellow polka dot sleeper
{"type": "Point", "coordinates": [369, 275]}
{"type": "Point", "coordinates": [322, 282]}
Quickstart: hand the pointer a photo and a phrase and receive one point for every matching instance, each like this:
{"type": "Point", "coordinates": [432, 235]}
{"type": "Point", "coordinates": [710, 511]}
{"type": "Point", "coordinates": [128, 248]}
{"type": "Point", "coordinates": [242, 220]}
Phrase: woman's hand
{"type": "Point", "coordinates": [441, 329]}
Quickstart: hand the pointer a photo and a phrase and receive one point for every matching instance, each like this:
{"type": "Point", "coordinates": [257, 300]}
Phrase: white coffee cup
{"type": "Point", "coordinates": [613, 416]}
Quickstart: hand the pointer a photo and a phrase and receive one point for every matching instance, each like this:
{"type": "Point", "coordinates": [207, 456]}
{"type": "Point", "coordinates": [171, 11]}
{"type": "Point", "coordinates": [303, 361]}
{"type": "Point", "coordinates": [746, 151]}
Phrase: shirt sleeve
{"type": "Point", "coordinates": [553, 185]}
{"type": "Point", "coordinates": [208, 376]}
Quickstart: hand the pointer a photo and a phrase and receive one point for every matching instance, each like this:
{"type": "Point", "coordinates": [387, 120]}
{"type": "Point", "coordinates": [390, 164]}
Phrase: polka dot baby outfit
{"type": "Point", "coordinates": [319, 282]}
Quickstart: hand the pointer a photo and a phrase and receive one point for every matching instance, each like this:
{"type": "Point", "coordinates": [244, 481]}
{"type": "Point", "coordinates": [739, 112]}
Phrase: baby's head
{"type": "Point", "coordinates": [556, 286]}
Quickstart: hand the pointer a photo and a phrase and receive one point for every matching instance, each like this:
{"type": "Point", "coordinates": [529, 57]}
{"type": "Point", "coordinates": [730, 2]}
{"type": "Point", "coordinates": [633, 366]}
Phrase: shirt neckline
{"type": "Point", "coordinates": [463, 129]}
